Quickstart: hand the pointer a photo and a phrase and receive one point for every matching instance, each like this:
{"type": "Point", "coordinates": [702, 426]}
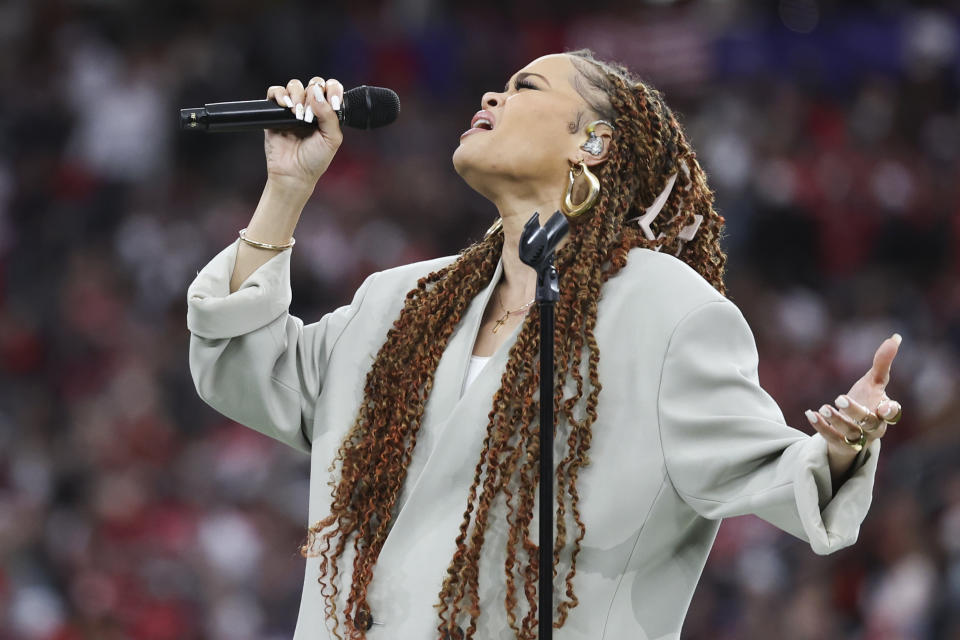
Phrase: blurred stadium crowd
{"type": "Point", "coordinates": [130, 509]}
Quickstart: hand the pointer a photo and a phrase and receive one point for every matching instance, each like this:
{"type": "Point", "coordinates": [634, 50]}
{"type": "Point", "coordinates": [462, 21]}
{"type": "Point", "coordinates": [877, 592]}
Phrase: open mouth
{"type": "Point", "coordinates": [482, 120]}
{"type": "Point", "coordinates": [479, 126]}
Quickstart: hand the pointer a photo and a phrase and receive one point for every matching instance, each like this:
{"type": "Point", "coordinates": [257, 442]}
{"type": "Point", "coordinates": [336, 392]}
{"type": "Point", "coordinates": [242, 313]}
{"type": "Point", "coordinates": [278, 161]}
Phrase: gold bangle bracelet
{"type": "Point", "coordinates": [264, 245]}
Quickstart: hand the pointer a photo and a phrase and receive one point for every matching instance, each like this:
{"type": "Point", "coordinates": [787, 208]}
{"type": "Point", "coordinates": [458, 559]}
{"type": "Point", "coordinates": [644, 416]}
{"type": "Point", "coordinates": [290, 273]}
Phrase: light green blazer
{"type": "Point", "coordinates": [685, 436]}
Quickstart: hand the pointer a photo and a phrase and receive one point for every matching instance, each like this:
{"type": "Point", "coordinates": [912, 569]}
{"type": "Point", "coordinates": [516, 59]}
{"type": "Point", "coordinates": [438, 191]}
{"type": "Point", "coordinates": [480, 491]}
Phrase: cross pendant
{"type": "Point", "coordinates": [500, 323]}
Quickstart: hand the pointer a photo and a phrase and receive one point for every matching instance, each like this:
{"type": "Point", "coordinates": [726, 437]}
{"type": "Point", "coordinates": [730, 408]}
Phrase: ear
{"type": "Point", "coordinates": [604, 133]}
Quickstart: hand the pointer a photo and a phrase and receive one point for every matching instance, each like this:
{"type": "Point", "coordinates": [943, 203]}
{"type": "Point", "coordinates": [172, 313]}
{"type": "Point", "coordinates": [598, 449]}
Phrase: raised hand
{"type": "Point", "coordinates": [296, 159]}
{"type": "Point", "coordinates": [862, 415]}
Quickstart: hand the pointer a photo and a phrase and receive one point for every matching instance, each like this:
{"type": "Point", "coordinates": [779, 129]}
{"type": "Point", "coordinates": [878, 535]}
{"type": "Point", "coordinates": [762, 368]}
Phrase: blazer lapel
{"type": "Point", "coordinates": [452, 369]}
{"type": "Point", "coordinates": [421, 541]}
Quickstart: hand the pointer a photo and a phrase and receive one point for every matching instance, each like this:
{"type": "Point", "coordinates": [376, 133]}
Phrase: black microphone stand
{"type": "Point", "coordinates": [537, 246]}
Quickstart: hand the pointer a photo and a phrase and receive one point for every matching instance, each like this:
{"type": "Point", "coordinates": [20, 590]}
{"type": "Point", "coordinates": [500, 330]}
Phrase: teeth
{"type": "Point", "coordinates": [482, 121]}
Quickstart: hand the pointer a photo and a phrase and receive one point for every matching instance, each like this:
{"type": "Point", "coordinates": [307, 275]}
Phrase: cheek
{"type": "Point", "coordinates": [535, 139]}
{"type": "Point", "coordinates": [530, 141]}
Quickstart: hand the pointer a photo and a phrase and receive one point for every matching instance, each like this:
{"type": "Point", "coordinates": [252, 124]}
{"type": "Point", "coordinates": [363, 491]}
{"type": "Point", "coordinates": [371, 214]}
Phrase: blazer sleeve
{"type": "Point", "coordinates": [727, 448]}
{"type": "Point", "coordinates": [249, 358]}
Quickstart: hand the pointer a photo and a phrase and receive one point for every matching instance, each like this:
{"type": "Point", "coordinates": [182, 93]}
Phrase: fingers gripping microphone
{"type": "Point", "coordinates": [363, 108]}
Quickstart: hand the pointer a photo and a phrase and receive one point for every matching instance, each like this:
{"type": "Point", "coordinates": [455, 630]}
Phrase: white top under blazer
{"type": "Point", "coordinates": [476, 365]}
{"type": "Point", "coordinates": [685, 437]}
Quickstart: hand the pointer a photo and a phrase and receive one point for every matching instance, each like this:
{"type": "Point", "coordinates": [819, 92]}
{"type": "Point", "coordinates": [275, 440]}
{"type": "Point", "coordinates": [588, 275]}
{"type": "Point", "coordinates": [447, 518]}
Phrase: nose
{"type": "Point", "coordinates": [491, 99]}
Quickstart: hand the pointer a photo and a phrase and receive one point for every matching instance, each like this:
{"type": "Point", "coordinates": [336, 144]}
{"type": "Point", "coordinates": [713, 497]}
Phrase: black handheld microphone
{"type": "Point", "coordinates": [363, 108]}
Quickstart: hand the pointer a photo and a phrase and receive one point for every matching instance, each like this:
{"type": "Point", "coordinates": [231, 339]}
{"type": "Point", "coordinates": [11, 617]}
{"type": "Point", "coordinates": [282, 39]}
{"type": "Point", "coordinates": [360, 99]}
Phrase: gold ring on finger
{"type": "Point", "coordinates": [857, 445]}
{"type": "Point", "coordinates": [896, 417]}
{"type": "Point", "coordinates": [862, 423]}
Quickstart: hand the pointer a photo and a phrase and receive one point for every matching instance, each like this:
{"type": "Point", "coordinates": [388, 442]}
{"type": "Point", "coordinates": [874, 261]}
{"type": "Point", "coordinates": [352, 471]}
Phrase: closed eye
{"type": "Point", "coordinates": [520, 83]}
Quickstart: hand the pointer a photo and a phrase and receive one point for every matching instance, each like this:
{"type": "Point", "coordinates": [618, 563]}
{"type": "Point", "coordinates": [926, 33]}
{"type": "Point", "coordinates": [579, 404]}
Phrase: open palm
{"type": "Point", "coordinates": [863, 413]}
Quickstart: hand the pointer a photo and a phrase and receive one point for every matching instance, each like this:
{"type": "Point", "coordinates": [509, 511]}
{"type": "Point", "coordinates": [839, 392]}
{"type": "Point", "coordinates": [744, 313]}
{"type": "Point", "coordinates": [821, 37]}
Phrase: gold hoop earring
{"type": "Point", "coordinates": [496, 226]}
{"type": "Point", "coordinates": [576, 210]}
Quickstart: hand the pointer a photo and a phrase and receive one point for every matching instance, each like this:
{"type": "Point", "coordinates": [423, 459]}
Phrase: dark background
{"type": "Point", "coordinates": [129, 509]}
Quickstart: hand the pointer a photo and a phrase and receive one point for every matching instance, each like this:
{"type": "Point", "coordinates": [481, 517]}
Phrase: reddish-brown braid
{"type": "Point", "coordinates": [648, 147]}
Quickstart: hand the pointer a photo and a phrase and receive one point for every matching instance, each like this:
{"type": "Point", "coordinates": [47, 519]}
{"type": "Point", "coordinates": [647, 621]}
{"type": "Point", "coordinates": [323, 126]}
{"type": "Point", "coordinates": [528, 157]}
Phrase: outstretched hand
{"type": "Point", "coordinates": [861, 415]}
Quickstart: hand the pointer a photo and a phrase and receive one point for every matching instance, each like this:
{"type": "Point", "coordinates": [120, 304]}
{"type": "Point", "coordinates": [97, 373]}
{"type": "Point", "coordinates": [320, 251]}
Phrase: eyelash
{"type": "Point", "coordinates": [524, 84]}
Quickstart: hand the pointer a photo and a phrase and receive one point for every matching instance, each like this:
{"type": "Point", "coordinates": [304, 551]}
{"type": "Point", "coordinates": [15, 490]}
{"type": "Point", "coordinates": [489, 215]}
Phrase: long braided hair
{"type": "Point", "coordinates": [648, 146]}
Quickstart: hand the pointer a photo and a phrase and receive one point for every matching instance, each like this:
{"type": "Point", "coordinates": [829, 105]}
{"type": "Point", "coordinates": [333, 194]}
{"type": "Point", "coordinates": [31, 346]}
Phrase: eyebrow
{"type": "Point", "coordinates": [521, 76]}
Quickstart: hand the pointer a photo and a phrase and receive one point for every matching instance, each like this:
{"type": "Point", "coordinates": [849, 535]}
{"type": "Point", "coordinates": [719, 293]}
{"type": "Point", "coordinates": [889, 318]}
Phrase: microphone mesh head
{"type": "Point", "coordinates": [370, 107]}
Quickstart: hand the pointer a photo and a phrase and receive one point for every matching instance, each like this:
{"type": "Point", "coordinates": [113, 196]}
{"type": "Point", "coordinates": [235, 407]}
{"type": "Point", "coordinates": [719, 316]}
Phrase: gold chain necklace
{"type": "Point", "coordinates": [507, 312]}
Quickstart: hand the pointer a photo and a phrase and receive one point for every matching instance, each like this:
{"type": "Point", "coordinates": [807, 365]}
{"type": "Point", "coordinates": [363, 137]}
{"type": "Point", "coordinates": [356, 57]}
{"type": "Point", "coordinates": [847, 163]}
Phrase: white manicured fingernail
{"type": "Point", "coordinates": [825, 411]}
{"type": "Point", "coordinates": [299, 111]}
{"type": "Point", "coordinates": [841, 402]}
{"type": "Point", "coordinates": [318, 93]}
{"type": "Point", "coordinates": [335, 102]}
{"type": "Point", "coordinates": [288, 101]}
{"type": "Point", "coordinates": [897, 338]}
{"type": "Point", "coordinates": [811, 416]}
{"type": "Point", "coordinates": [890, 411]}
{"type": "Point", "coordinates": [308, 115]}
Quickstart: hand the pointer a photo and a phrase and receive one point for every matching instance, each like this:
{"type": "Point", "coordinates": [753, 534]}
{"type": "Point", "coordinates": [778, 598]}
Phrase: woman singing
{"type": "Point", "coordinates": [418, 402]}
